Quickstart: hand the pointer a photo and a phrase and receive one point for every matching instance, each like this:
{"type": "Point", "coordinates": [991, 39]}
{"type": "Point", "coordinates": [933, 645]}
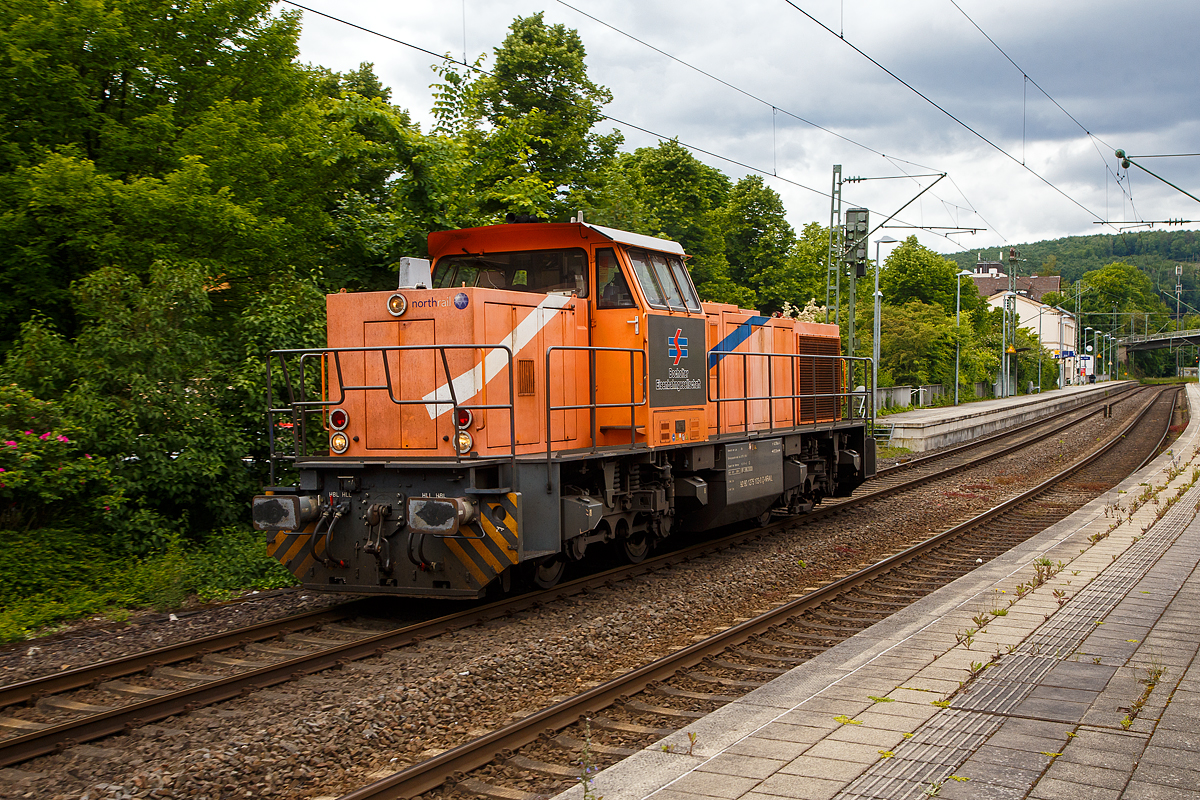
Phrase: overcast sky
{"type": "Point", "coordinates": [1127, 73]}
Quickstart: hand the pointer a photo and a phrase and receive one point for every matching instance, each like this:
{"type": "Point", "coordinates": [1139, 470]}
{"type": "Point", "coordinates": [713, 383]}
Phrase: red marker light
{"type": "Point", "coordinates": [338, 419]}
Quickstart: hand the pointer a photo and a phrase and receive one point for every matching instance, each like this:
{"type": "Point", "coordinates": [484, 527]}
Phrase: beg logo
{"type": "Point", "coordinates": [677, 346]}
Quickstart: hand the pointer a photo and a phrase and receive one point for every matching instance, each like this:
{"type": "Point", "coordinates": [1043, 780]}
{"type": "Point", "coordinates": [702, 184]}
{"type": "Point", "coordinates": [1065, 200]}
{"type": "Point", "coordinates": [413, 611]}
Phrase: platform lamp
{"type": "Point", "coordinates": [1087, 343]}
{"type": "Point", "coordinates": [875, 332]}
{"type": "Point", "coordinates": [958, 323]}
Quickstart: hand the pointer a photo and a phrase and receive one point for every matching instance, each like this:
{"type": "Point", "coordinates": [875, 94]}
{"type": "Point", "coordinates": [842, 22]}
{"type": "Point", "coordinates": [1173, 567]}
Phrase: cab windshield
{"type": "Point", "coordinates": [542, 271]}
{"type": "Point", "coordinates": [664, 280]}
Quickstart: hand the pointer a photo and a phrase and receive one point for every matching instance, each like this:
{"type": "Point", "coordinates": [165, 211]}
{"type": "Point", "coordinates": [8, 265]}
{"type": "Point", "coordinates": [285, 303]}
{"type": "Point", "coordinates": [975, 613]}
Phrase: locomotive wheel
{"type": "Point", "coordinates": [549, 571]}
{"type": "Point", "coordinates": [635, 547]}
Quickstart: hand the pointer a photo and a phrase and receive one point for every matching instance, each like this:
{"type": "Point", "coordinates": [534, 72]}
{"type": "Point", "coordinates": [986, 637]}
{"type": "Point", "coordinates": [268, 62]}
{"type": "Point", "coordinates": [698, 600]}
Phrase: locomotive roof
{"type": "Point", "coordinates": [514, 236]}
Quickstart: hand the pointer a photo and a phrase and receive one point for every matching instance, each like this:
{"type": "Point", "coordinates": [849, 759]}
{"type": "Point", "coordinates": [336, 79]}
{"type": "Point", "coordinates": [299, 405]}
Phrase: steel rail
{"type": "Point", "coordinates": [79, 677]}
{"type": "Point", "coordinates": [23, 747]}
{"type": "Point", "coordinates": [886, 491]}
{"type": "Point", "coordinates": [434, 772]}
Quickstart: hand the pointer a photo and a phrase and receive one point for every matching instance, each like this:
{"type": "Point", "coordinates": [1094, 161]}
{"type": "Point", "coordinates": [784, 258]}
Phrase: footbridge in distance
{"type": "Point", "coordinates": [1159, 341]}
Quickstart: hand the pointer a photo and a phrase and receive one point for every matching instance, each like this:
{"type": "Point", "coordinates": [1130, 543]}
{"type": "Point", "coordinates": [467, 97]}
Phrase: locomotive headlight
{"type": "Point", "coordinates": [463, 442]}
{"type": "Point", "coordinates": [338, 419]}
{"type": "Point", "coordinates": [397, 304]}
{"type": "Point", "coordinates": [339, 442]}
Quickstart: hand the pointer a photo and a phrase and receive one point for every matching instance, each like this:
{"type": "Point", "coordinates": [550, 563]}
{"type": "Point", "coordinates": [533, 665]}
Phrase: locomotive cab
{"type": "Point", "coordinates": [536, 390]}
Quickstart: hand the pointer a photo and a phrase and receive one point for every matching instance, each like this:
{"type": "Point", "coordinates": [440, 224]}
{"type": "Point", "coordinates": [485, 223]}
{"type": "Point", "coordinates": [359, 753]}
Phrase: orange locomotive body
{"type": "Point", "coordinates": [534, 390]}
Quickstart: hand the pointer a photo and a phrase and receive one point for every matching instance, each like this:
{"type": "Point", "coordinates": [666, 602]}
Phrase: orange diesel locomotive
{"type": "Point", "coordinates": [532, 390]}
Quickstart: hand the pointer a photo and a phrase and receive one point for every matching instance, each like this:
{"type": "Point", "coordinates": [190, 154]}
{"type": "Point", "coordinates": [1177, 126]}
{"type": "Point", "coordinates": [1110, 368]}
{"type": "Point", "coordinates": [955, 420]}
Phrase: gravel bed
{"type": "Point", "coordinates": [326, 734]}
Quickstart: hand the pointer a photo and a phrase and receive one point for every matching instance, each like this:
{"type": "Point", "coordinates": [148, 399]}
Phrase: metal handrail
{"type": "Point", "coordinates": [593, 406]}
{"type": "Point", "coordinates": [300, 410]}
{"type": "Point", "coordinates": [867, 394]}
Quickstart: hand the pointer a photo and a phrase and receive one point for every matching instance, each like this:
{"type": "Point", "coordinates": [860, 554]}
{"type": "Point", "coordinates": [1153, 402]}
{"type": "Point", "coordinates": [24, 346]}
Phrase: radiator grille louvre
{"type": "Point", "coordinates": [526, 385]}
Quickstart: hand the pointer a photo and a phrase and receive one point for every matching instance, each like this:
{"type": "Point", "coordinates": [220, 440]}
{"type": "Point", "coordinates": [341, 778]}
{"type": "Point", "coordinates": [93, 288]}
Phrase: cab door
{"type": "Point", "coordinates": [618, 321]}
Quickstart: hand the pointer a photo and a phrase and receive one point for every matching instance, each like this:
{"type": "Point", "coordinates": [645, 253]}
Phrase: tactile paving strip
{"type": "Point", "coordinates": [941, 745]}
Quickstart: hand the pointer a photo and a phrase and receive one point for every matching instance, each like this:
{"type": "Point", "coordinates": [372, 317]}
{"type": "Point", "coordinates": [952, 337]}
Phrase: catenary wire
{"type": "Point", "coordinates": [1091, 136]}
{"type": "Point", "coordinates": [774, 108]}
{"type": "Point", "coordinates": [609, 117]}
{"type": "Point", "coordinates": [945, 111]}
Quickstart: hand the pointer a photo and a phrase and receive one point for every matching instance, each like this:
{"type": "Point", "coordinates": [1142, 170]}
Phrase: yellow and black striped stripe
{"type": "Point", "coordinates": [293, 549]}
{"type": "Point", "coordinates": [487, 549]}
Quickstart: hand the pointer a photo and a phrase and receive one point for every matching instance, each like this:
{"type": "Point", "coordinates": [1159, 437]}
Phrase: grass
{"type": "Point", "coordinates": [52, 577]}
{"type": "Point", "coordinates": [1164, 381]}
{"type": "Point", "coordinates": [887, 451]}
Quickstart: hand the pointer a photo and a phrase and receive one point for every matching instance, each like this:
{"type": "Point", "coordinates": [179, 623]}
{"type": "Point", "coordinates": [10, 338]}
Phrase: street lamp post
{"type": "Point", "coordinates": [1087, 335]}
{"type": "Point", "coordinates": [875, 331]}
{"type": "Point", "coordinates": [958, 324]}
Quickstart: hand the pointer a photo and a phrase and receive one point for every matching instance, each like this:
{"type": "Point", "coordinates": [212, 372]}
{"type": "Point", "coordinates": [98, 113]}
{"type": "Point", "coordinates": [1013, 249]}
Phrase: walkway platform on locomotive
{"type": "Point", "coordinates": [1098, 698]}
{"type": "Point", "coordinates": [931, 428]}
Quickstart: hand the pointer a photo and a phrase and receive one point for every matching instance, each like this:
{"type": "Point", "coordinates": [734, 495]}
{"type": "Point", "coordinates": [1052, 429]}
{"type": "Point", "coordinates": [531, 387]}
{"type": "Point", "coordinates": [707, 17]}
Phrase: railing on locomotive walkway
{"type": "Point", "coordinates": [300, 410]}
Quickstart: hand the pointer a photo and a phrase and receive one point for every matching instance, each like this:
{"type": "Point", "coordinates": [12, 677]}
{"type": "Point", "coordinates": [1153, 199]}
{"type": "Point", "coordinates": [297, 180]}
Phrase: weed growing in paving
{"type": "Point", "coordinates": [588, 763]}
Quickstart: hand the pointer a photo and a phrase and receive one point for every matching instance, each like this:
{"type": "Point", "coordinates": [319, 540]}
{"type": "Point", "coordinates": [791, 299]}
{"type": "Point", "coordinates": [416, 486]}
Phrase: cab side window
{"type": "Point", "coordinates": [613, 288]}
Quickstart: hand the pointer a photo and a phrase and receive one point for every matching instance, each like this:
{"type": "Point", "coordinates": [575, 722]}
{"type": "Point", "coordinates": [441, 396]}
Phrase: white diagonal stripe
{"type": "Point", "coordinates": [469, 383]}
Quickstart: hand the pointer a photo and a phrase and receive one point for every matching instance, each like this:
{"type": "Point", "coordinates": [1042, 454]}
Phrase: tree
{"type": "Point", "coordinates": [1049, 266]}
{"type": "Point", "coordinates": [540, 76]}
{"type": "Point", "coordinates": [916, 344]}
{"type": "Point", "coordinates": [801, 276]}
{"type": "Point", "coordinates": [758, 240]}
{"type": "Point", "coordinates": [131, 133]}
{"type": "Point", "coordinates": [914, 272]}
{"type": "Point", "coordinates": [684, 197]}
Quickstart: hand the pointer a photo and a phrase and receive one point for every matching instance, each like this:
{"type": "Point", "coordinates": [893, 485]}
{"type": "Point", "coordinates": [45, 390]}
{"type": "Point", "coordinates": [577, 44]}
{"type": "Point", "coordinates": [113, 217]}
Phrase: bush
{"type": "Point", "coordinates": [50, 576]}
{"type": "Point", "coordinates": [44, 473]}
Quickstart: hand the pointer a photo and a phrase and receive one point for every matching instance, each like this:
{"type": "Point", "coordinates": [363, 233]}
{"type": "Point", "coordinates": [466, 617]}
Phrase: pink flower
{"type": "Point", "coordinates": [1, 469]}
{"type": "Point", "coordinates": [45, 436]}
{"type": "Point", "coordinates": [29, 433]}
{"type": "Point", "coordinates": [87, 455]}
{"type": "Point", "coordinates": [2, 486]}
{"type": "Point", "coordinates": [62, 438]}
{"type": "Point", "coordinates": [11, 443]}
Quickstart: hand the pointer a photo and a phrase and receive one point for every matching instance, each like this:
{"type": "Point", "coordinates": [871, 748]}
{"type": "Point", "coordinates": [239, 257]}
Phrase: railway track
{"type": "Point", "coordinates": [91, 702]}
{"type": "Point", "coordinates": [549, 750]}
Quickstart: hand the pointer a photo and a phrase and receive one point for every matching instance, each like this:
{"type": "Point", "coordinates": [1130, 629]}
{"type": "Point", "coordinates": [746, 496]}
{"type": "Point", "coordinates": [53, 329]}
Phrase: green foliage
{"type": "Point", "coordinates": [540, 77]}
{"type": "Point", "coordinates": [914, 272]}
{"type": "Point", "coordinates": [145, 386]}
{"type": "Point", "coordinates": [51, 575]}
{"type": "Point", "coordinates": [759, 242]}
{"type": "Point", "coordinates": [916, 345]}
{"type": "Point", "coordinates": [45, 474]}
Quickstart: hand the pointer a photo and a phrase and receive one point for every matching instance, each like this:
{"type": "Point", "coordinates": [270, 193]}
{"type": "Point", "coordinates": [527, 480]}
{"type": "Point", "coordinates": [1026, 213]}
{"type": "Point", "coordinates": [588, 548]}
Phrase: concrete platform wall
{"type": "Point", "coordinates": [930, 429]}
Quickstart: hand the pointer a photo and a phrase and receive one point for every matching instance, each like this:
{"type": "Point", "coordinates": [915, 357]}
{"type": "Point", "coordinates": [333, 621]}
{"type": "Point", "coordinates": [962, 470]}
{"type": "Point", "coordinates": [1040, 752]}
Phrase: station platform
{"type": "Point", "coordinates": [932, 428]}
{"type": "Point", "coordinates": [1091, 689]}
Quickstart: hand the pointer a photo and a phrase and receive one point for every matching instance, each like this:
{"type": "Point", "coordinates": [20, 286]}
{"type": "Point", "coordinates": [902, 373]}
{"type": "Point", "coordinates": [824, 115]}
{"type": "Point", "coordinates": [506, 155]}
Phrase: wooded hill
{"type": "Point", "coordinates": [1154, 252]}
